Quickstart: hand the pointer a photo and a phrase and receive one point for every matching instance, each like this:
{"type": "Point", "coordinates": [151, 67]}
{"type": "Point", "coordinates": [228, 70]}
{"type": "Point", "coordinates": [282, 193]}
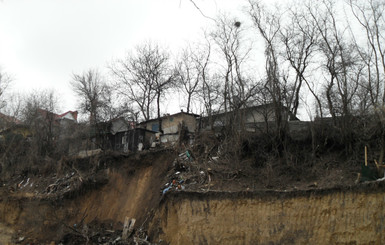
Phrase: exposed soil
{"type": "Point", "coordinates": [5, 234]}
{"type": "Point", "coordinates": [219, 175]}
{"type": "Point", "coordinates": [87, 199]}
{"type": "Point", "coordinates": [343, 215]}
{"type": "Point", "coordinates": [96, 193]}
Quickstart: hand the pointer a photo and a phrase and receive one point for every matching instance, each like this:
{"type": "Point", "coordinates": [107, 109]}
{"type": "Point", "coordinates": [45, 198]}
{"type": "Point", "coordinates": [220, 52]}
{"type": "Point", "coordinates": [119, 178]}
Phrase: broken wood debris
{"type": "Point", "coordinates": [128, 228]}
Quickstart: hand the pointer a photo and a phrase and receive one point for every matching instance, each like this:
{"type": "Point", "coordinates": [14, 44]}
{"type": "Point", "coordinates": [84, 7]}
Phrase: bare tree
{"type": "Point", "coordinates": [145, 76]}
{"type": "Point", "coordinates": [188, 75]}
{"type": "Point", "coordinates": [211, 83]}
{"type": "Point", "coordinates": [370, 16]}
{"type": "Point", "coordinates": [5, 81]}
{"type": "Point", "coordinates": [237, 87]}
{"type": "Point", "coordinates": [299, 37]}
{"type": "Point", "coordinates": [371, 48]}
{"type": "Point", "coordinates": [268, 25]}
{"type": "Point", "coordinates": [39, 114]}
{"type": "Point", "coordinates": [228, 38]}
{"type": "Point", "coordinates": [94, 94]}
{"type": "Point", "coordinates": [134, 82]}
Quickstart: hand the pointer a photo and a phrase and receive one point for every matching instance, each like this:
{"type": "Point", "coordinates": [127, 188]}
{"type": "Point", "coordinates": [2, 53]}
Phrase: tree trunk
{"type": "Point", "coordinates": [158, 106]}
{"type": "Point", "coordinates": [188, 103]}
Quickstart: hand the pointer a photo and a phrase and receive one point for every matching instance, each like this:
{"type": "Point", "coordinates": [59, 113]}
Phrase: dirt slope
{"type": "Point", "coordinates": [336, 216]}
{"type": "Point", "coordinates": [133, 190]}
{"type": "Point", "coordinates": [5, 234]}
{"type": "Point", "coordinates": [218, 204]}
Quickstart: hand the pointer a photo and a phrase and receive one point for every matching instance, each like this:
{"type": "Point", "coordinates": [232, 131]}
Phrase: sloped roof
{"type": "Point", "coordinates": [73, 113]}
{"type": "Point", "coordinates": [267, 106]}
{"type": "Point", "coordinates": [9, 119]}
{"type": "Point", "coordinates": [172, 115]}
{"type": "Point", "coordinates": [46, 113]}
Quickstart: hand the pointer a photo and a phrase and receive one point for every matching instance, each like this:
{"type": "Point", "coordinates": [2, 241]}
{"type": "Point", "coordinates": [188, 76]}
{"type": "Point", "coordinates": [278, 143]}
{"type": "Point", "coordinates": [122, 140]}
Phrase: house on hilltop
{"type": "Point", "coordinates": [12, 126]}
{"type": "Point", "coordinates": [117, 134]}
{"type": "Point", "coordinates": [66, 117]}
{"type": "Point", "coordinates": [173, 126]}
{"type": "Point", "coordinates": [42, 128]}
{"type": "Point", "coordinates": [124, 136]}
{"type": "Point", "coordinates": [252, 118]}
{"type": "Point", "coordinates": [7, 121]}
{"type": "Point", "coordinates": [57, 119]}
{"type": "Point", "coordinates": [40, 118]}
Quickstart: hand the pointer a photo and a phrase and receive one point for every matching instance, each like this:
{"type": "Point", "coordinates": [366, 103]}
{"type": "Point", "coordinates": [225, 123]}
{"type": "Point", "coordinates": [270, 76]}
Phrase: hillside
{"type": "Point", "coordinates": [88, 199]}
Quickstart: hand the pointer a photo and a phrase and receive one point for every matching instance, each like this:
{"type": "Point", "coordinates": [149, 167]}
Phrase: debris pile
{"type": "Point", "coordinates": [186, 174]}
{"type": "Point", "coordinates": [24, 183]}
{"type": "Point", "coordinates": [64, 184]}
{"type": "Point", "coordinates": [104, 233]}
{"type": "Point", "coordinates": [55, 186]}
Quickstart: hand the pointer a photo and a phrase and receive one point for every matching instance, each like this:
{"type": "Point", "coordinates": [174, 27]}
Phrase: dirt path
{"type": "Point", "coordinates": [5, 234]}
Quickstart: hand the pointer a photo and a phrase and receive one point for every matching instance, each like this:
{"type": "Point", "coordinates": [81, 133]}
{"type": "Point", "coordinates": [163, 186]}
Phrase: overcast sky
{"type": "Point", "coordinates": [42, 42]}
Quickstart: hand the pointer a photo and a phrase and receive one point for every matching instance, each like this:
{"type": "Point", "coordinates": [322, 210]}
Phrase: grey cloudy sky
{"type": "Point", "coordinates": [42, 42]}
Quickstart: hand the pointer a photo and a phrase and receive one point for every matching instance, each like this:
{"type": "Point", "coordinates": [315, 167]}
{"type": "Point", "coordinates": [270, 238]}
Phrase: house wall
{"type": "Point", "coordinates": [69, 116]}
{"type": "Point", "coordinates": [170, 123]}
{"type": "Point", "coordinates": [119, 126]}
{"type": "Point", "coordinates": [25, 132]}
{"type": "Point", "coordinates": [149, 137]}
{"type": "Point", "coordinates": [169, 138]}
{"type": "Point", "coordinates": [253, 118]}
{"type": "Point", "coordinates": [259, 115]}
{"type": "Point", "coordinates": [129, 140]}
{"type": "Point", "coordinates": [152, 126]}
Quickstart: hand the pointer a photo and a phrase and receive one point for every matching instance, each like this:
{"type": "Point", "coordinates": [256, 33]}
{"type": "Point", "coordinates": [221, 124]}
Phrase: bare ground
{"type": "Point", "coordinates": [100, 192]}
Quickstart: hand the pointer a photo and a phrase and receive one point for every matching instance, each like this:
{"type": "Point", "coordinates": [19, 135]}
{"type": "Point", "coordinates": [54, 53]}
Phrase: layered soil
{"type": "Point", "coordinates": [177, 199]}
{"type": "Point", "coordinates": [132, 189]}
{"type": "Point", "coordinates": [336, 216]}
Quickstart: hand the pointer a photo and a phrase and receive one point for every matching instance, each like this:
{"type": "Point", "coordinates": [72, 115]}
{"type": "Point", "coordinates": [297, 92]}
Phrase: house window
{"type": "Point", "coordinates": [124, 139]}
{"type": "Point", "coordinates": [155, 127]}
{"type": "Point", "coordinates": [171, 119]}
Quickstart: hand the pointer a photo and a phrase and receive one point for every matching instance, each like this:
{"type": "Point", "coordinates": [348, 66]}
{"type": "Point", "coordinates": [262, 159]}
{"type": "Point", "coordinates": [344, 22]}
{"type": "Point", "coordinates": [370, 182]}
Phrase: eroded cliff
{"type": "Point", "coordinates": [335, 216]}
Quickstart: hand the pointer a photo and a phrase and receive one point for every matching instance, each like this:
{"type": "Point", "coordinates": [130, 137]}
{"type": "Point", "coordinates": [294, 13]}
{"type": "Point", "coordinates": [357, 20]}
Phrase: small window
{"type": "Point", "coordinates": [155, 127]}
{"type": "Point", "coordinates": [171, 119]}
{"type": "Point", "coordinates": [124, 139]}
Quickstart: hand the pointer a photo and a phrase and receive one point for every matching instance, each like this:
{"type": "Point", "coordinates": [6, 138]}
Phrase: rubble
{"type": "Point", "coordinates": [185, 171]}
{"type": "Point", "coordinates": [185, 174]}
{"type": "Point", "coordinates": [128, 228]}
{"type": "Point", "coordinates": [103, 233]}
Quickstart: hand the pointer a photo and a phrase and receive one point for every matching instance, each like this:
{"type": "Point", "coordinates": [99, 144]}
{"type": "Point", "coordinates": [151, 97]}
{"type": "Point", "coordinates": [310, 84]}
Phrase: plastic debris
{"type": "Point", "coordinates": [166, 190]}
{"type": "Point", "coordinates": [188, 155]}
{"type": "Point", "coordinates": [19, 185]}
{"type": "Point", "coordinates": [118, 239]}
{"type": "Point", "coordinates": [26, 183]}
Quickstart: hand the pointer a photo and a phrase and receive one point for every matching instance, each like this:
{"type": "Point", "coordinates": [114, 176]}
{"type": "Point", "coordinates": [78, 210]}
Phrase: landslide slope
{"type": "Point", "coordinates": [130, 187]}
